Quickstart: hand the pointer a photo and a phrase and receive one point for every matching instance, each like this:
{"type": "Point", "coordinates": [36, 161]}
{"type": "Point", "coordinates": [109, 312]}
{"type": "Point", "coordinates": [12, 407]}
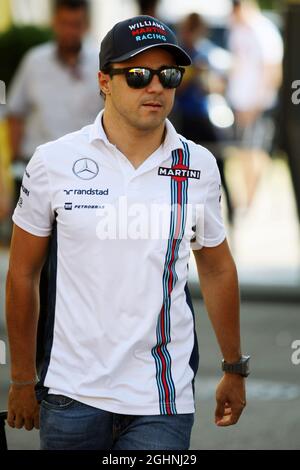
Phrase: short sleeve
{"type": "Point", "coordinates": [210, 230]}
{"type": "Point", "coordinates": [271, 44]}
{"type": "Point", "coordinates": [33, 212]}
{"type": "Point", "coordinates": [18, 96]}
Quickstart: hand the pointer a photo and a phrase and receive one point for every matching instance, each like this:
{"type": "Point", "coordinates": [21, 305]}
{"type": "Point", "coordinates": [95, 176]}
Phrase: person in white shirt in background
{"type": "Point", "coordinates": [54, 90]}
{"type": "Point", "coordinates": [256, 75]}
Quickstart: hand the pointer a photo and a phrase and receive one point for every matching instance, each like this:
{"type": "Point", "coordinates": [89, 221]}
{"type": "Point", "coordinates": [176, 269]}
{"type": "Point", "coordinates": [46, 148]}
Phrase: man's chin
{"type": "Point", "coordinates": [150, 123]}
{"type": "Point", "coordinates": [70, 47]}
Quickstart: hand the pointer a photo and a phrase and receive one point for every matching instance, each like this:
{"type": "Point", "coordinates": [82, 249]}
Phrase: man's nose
{"type": "Point", "coordinates": [155, 85]}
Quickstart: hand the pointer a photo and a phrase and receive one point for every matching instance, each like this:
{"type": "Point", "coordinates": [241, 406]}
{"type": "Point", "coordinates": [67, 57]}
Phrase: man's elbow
{"type": "Point", "coordinates": [216, 261]}
{"type": "Point", "coordinates": [220, 270]}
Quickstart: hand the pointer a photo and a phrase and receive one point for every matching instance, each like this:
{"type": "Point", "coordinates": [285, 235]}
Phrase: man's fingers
{"type": "Point", "coordinates": [19, 421]}
{"type": "Point", "coordinates": [23, 408]}
{"type": "Point", "coordinates": [231, 416]}
{"type": "Point", "coordinates": [235, 415]}
{"type": "Point", "coordinates": [219, 413]}
{"type": "Point", "coordinates": [37, 420]}
{"type": "Point", "coordinates": [226, 421]}
{"type": "Point", "coordinates": [28, 424]}
{"type": "Point", "coordinates": [11, 419]}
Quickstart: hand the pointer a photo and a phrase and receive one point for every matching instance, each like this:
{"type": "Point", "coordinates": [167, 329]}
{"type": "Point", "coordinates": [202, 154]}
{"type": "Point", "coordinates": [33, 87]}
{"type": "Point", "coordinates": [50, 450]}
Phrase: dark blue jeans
{"type": "Point", "coordinates": [66, 424]}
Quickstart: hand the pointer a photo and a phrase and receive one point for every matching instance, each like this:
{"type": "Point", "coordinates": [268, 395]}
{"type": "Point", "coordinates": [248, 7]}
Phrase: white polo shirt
{"type": "Point", "coordinates": [119, 330]}
{"type": "Point", "coordinates": [255, 45]}
{"type": "Point", "coordinates": [54, 100]}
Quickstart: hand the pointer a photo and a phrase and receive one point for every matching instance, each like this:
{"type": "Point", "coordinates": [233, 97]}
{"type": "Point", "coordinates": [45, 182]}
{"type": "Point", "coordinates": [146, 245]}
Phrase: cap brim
{"type": "Point", "coordinates": [182, 58]}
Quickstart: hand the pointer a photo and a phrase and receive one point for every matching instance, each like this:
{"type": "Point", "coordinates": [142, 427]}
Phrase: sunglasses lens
{"type": "Point", "coordinates": [138, 77]}
{"type": "Point", "coordinates": [171, 77]}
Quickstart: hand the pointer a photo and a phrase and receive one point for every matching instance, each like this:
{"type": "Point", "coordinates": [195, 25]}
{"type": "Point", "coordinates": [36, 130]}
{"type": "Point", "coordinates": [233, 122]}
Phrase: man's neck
{"type": "Point", "coordinates": [68, 56]}
{"type": "Point", "coordinates": [136, 144]}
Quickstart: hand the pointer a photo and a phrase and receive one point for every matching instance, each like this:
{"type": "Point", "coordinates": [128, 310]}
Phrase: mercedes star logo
{"type": "Point", "coordinates": [85, 169]}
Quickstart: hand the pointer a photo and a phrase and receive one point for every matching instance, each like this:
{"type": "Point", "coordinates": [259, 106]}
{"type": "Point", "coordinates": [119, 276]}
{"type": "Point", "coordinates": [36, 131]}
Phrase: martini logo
{"type": "Point", "coordinates": [179, 172]}
{"type": "Point", "coordinates": [148, 30]}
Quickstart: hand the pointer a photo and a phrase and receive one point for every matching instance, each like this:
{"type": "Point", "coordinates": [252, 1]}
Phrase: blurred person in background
{"type": "Point", "coordinates": [5, 187]}
{"type": "Point", "coordinates": [148, 7]}
{"type": "Point", "coordinates": [254, 81]}
{"type": "Point", "coordinates": [190, 115]}
{"type": "Point", "coordinates": [4, 195]}
{"type": "Point", "coordinates": [55, 90]}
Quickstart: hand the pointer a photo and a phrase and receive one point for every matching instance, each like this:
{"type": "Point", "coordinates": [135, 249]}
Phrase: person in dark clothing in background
{"type": "Point", "coordinates": [147, 7]}
{"type": "Point", "coordinates": [190, 116]}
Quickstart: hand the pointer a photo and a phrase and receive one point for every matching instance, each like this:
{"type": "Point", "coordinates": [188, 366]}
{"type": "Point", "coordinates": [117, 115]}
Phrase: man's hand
{"type": "Point", "coordinates": [23, 408]}
{"type": "Point", "coordinates": [231, 399]}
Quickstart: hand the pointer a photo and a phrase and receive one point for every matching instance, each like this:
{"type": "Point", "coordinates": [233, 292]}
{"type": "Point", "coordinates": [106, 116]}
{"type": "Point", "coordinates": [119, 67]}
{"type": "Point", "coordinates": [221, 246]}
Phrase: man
{"type": "Point", "coordinates": [191, 104]}
{"type": "Point", "coordinates": [119, 348]}
{"type": "Point", "coordinates": [54, 91]}
{"type": "Point", "coordinates": [147, 7]}
{"type": "Point", "coordinates": [257, 52]}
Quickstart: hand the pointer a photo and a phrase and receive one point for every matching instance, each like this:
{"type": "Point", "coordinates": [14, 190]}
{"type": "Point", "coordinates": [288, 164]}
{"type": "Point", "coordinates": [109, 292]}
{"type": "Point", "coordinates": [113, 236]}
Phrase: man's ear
{"type": "Point", "coordinates": [104, 82]}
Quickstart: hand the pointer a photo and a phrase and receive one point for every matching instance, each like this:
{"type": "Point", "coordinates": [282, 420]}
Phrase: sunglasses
{"type": "Point", "coordinates": [140, 77]}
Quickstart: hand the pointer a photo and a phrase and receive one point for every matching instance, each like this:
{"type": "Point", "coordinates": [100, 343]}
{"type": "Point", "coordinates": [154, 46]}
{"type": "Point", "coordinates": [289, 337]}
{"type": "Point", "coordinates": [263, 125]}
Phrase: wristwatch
{"type": "Point", "coordinates": [241, 367]}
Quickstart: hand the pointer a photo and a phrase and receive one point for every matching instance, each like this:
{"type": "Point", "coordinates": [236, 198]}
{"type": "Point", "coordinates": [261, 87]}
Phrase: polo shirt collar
{"type": "Point", "coordinates": [97, 132]}
{"type": "Point", "coordinates": [172, 140]}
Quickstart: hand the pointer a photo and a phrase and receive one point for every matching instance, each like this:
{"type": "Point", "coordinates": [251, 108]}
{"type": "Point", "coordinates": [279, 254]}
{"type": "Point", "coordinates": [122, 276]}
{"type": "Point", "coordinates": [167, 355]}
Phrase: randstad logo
{"type": "Point", "coordinates": [88, 192]}
{"type": "Point", "coordinates": [147, 30]}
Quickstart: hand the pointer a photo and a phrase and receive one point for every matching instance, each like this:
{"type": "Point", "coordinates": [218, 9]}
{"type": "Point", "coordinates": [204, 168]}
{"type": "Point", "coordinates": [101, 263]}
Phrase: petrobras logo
{"type": "Point", "coordinates": [69, 206]}
{"type": "Point", "coordinates": [87, 192]}
{"type": "Point", "coordinates": [89, 206]}
{"type": "Point", "coordinates": [148, 30]}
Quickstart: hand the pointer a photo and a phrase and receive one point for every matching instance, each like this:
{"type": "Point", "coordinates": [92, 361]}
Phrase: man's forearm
{"type": "Point", "coordinates": [22, 318]}
{"type": "Point", "coordinates": [221, 295]}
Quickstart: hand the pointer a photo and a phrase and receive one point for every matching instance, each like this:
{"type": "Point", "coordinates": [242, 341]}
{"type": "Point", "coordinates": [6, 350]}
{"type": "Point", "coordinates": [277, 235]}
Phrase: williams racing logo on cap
{"type": "Point", "coordinates": [179, 172]}
{"type": "Point", "coordinates": [148, 30]}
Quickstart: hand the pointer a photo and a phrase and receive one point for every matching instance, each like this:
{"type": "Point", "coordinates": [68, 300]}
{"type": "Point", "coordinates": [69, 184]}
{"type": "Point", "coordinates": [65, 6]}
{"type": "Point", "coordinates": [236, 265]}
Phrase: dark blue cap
{"type": "Point", "coordinates": [138, 34]}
